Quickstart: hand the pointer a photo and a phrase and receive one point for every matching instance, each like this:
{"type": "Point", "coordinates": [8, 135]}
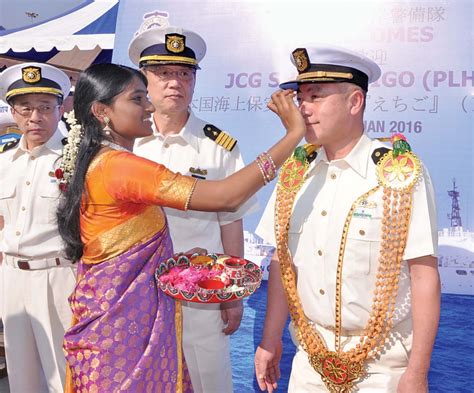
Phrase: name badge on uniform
{"type": "Point", "coordinates": [53, 177]}
{"type": "Point", "coordinates": [365, 209]}
{"type": "Point", "coordinates": [198, 173]}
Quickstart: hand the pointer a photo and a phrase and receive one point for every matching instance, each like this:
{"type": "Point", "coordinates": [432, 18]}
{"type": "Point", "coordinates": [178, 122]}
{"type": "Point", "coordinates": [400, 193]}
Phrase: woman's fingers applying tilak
{"type": "Point", "coordinates": [281, 100]}
{"type": "Point", "coordinates": [283, 104]}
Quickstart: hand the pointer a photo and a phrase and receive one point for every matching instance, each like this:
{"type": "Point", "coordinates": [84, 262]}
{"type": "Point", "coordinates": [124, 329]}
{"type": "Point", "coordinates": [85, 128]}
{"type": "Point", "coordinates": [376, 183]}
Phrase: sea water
{"type": "Point", "coordinates": [452, 365]}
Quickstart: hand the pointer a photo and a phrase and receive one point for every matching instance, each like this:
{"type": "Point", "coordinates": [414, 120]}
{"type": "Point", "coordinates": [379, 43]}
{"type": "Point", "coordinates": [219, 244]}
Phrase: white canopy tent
{"type": "Point", "coordinates": [79, 35]}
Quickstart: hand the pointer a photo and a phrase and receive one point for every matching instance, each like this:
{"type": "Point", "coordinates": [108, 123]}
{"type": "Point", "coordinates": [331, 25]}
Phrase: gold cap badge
{"type": "Point", "coordinates": [301, 58]}
{"type": "Point", "coordinates": [175, 43]}
{"type": "Point", "coordinates": [31, 74]}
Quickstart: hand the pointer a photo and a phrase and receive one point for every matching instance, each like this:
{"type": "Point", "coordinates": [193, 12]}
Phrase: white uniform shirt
{"type": "Point", "coordinates": [29, 198]}
{"type": "Point", "coordinates": [190, 148]}
{"type": "Point", "coordinates": [316, 225]}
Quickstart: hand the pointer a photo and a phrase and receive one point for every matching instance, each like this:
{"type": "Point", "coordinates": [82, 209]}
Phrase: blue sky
{"type": "Point", "coordinates": [12, 12]}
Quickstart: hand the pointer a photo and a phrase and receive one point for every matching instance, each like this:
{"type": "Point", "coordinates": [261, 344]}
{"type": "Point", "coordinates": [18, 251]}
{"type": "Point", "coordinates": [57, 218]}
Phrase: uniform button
{"type": "Point", "coordinates": [17, 233]}
{"type": "Point", "coordinates": [324, 212]}
{"type": "Point", "coordinates": [28, 183]}
{"type": "Point", "coordinates": [166, 145]}
{"type": "Point", "coordinates": [333, 176]}
{"type": "Point", "coordinates": [321, 291]}
{"type": "Point", "coordinates": [23, 208]}
{"type": "Point", "coordinates": [362, 232]}
{"type": "Point", "coordinates": [320, 252]}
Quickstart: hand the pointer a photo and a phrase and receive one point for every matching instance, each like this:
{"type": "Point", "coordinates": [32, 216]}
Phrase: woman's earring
{"type": "Point", "coordinates": [106, 128]}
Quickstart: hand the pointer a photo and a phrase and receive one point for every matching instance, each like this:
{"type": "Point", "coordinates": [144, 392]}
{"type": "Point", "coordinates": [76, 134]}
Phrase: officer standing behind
{"type": "Point", "coordinates": [37, 280]}
{"type": "Point", "coordinates": [356, 244]}
{"type": "Point", "coordinates": [184, 143]}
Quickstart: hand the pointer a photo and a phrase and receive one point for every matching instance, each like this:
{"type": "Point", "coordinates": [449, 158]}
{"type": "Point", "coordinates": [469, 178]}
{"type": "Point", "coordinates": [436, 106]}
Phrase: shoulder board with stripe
{"type": "Point", "coordinates": [220, 137]}
{"type": "Point", "coordinates": [377, 154]}
{"type": "Point", "coordinates": [9, 141]}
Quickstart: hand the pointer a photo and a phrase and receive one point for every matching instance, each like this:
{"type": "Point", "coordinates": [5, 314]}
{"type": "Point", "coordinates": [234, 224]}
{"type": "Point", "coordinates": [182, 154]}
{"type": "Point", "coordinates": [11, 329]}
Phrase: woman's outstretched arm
{"type": "Point", "coordinates": [228, 194]}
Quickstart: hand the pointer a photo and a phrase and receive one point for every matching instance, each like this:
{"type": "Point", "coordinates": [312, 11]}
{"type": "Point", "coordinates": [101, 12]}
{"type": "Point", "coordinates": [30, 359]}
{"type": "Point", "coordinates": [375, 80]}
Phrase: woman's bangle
{"type": "Point", "coordinates": [267, 166]}
{"type": "Point", "coordinates": [265, 181]}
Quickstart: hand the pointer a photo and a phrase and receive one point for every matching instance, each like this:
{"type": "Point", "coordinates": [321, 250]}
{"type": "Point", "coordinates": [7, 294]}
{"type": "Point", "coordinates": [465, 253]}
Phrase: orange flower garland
{"type": "Point", "coordinates": [338, 369]}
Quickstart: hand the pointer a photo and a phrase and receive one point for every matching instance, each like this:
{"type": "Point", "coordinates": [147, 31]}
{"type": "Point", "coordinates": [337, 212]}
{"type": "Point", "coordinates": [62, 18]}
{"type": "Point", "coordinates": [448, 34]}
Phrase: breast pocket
{"type": "Point", "coordinates": [294, 237]}
{"type": "Point", "coordinates": [48, 200]}
{"type": "Point", "coordinates": [7, 193]}
{"type": "Point", "coordinates": [363, 246]}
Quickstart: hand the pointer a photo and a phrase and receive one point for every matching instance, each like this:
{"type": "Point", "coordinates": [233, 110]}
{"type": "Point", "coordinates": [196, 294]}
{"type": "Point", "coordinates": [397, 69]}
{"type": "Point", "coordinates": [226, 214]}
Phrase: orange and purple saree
{"type": "Point", "coordinates": [126, 333]}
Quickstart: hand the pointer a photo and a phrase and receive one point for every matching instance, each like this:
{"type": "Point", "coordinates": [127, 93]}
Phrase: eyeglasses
{"type": "Point", "coordinates": [27, 111]}
{"type": "Point", "coordinates": [165, 74]}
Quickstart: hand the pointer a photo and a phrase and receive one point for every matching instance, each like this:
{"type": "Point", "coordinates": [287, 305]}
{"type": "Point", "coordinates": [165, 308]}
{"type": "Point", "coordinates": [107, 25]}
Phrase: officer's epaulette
{"type": "Point", "coordinates": [307, 152]}
{"type": "Point", "coordinates": [9, 145]}
{"type": "Point", "coordinates": [312, 151]}
{"type": "Point", "coordinates": [12, 142]}
{"type": "Point", "coordinates": [220, 137]}
{"type": "Point", "coordinates": [377, 154]}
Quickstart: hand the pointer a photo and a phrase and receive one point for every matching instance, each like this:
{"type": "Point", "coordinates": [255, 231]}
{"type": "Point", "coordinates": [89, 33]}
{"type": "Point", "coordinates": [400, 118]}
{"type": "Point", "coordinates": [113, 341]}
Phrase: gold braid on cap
{"type": "Point", "coordinates": [170, 58]}
{"type": "Point", "coordinates": [398, 172]}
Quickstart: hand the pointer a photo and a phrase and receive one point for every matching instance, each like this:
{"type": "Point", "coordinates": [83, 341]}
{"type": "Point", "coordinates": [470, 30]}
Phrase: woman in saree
{"type": "Point", "coordinates": [125, 334]}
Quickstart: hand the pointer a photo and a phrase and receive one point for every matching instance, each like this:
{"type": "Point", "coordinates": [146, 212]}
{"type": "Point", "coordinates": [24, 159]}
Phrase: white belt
{"type": "Point", "coordinates": [25, 263]}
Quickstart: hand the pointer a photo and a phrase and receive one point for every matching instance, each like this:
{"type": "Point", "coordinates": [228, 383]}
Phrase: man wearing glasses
{"type": "Point", "coordinates": [37, 280]}
{"type": "Point", "coordinates": [169, 58]}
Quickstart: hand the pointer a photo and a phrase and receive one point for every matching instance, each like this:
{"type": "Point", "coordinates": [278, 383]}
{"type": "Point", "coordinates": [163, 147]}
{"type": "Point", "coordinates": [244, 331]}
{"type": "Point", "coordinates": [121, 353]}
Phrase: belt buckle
{"type": "Point", "coordinates": [23, 264]}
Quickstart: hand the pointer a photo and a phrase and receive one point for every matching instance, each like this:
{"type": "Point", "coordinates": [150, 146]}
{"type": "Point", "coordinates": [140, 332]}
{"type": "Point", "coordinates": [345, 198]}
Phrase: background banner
{"type": "Point", "coordinates": [425, 50]}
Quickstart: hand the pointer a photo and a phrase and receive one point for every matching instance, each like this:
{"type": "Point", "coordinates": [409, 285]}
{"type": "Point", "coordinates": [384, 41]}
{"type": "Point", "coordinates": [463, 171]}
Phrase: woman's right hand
{"type": "Point", "coordinates": [282, 103]}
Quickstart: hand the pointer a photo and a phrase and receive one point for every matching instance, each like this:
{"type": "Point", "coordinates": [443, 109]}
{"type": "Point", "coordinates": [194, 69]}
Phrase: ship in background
{"type": "Point", "coordinates": [456, 252]}
{"type": "Point", "coordinates": [258, 252]}
{"type": "Point", "coordinates": [455, 259]}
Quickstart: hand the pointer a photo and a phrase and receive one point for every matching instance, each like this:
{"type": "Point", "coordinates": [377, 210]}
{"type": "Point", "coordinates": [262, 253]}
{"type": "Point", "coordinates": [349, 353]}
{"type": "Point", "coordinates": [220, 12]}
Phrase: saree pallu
{"type": "Point", "coordinates": [124, 338]}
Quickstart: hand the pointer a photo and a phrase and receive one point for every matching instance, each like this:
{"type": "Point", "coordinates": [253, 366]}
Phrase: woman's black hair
{"type": "Point", "coordinates": [98, 83]}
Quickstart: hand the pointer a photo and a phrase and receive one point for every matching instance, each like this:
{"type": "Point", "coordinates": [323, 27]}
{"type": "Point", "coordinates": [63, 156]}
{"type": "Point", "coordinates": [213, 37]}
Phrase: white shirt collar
{"type": "Point", "coordinates": [357, 159]}
{"type": "Point", "coordinates": [54, 144]}
{"type": "Point", "coordinates": [189, 133]}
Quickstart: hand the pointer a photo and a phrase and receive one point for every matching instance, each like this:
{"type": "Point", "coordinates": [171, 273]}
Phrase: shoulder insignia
{"type": "Point", "coordinates": [312, 151]}
{"type": "Point", "coordinates": [9, 145]}
{"type": "Point", "coordinates": [9, 141]}
{"type": "Point", "coordinates": [377, 154]}
{"type": "Point", "coordinates": [306, 153]}
{"type": "Point", "coordinates": [220, 137]}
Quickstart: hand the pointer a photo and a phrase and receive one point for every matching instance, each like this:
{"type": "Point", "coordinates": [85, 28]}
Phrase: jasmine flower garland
{"type": "Point", "coordinates": [68, 163]}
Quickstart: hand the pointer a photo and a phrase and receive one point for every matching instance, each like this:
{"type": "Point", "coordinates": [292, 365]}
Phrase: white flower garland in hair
{"type": "Point", "coordinates": [68, 163]}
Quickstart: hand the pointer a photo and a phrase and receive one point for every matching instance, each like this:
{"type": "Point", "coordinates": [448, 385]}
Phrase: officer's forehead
{"type": "Point", "coordinates": [34, 98]}
{"type": "Point", "coordinates": [317, 87]}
